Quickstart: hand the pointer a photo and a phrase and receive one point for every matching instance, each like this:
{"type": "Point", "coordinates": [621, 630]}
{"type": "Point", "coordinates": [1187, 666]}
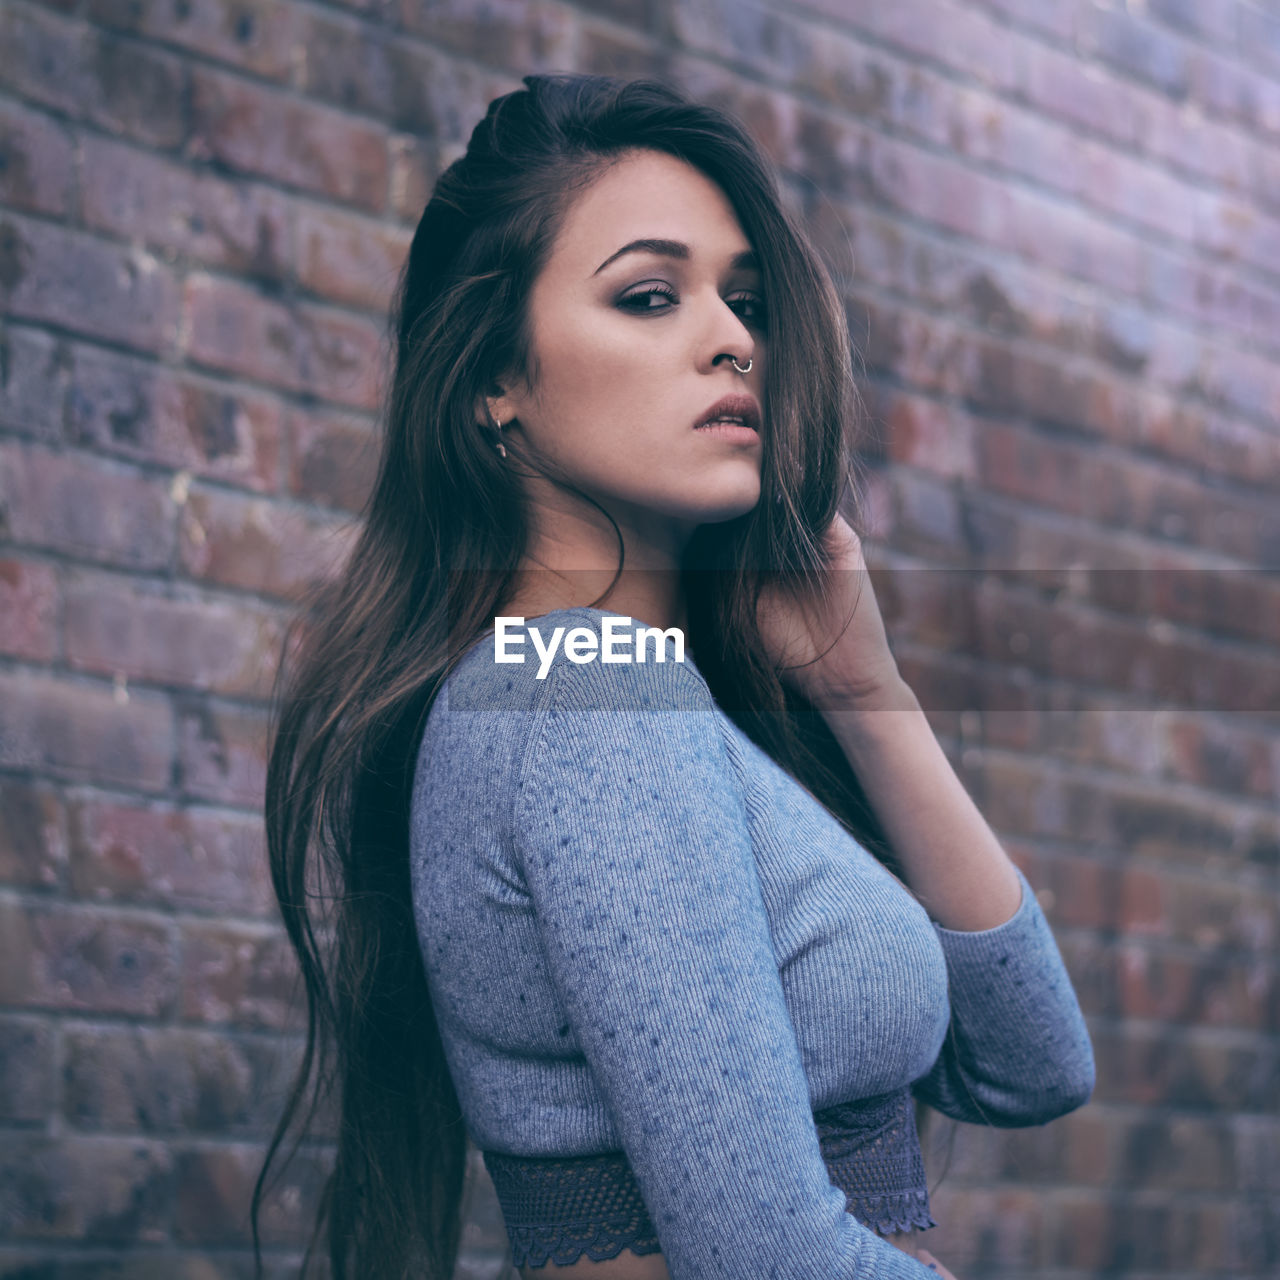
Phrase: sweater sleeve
{"type": "Point", "coordinates": [1017, 1051]}
{"type": "Point", "coordinates": [633, 841]}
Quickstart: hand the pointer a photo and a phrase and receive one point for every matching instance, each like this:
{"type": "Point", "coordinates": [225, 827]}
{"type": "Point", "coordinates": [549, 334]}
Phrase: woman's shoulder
{"type": "Point", "coordinates": [576, 658]}
{"type": "Point", "coordinates": [564, 691]}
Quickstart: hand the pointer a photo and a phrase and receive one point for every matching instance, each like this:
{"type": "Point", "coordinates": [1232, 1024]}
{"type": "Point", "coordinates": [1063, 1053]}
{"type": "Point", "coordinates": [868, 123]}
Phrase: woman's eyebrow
{"type": "Point", "coordinates": [745, 260]}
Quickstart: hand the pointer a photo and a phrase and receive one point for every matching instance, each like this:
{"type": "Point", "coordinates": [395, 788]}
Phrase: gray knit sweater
{"type": "Point", "coordinates": [643, 935]}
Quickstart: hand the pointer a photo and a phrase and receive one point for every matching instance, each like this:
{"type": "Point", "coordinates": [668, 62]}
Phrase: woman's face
{"type": "Point", "coordinates": [624, 372]}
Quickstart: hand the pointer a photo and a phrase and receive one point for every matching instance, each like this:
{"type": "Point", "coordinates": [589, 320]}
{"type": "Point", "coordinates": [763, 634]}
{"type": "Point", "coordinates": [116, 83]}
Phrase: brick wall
{"type": "Point", "coordinates": [1057, 225]}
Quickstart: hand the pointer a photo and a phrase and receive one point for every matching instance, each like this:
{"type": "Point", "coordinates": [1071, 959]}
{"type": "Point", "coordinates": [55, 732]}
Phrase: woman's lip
{"type": "Point", "coordinates": [733, 431]}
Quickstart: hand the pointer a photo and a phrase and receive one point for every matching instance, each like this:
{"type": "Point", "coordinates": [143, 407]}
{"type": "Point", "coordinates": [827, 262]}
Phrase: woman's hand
{"type": "Point", "coordinates": [833, 650]}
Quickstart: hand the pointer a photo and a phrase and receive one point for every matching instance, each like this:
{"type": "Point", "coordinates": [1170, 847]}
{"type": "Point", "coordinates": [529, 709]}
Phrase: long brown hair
{"type": "Point", "coordinates": [370, 647]}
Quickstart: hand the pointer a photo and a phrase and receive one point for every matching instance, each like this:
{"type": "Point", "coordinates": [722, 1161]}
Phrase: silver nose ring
{"type": "Point", "coordinates": [739, 368]}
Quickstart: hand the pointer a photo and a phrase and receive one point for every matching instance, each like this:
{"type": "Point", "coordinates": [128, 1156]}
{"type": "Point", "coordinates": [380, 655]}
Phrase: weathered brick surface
{"type": "Point", "coordinates": [241, 975]}
{"type": "Point", "coordinates": [70, 280]}
{"type": "Point", "coordinates": [1056, 229]}
{"type": "Point", "coordinates": [33, 846]}
{"type": "Point", "coordinates": [139, 412]}
{"type": "Point", "coordinates": [212, 1188]}
{"type": "Point", "coordinates": [169, 1080]}
{"type": "Point", "coordinates": [193, 859]}
{"type": "Point", "coordinates": [70, 957]}
{"type": "Point", "coordinates": [261, 131]}
{"type": "Point", "coordinates": [33, 382]}
{"type": "Point", "coordinates": [222, 752]}
{"type": "Point", "coordinates": [334, 458]}
{"type": "Point", "coordinates": [225, 645]}
{"type": "Point", "coordinates": [28, 602]}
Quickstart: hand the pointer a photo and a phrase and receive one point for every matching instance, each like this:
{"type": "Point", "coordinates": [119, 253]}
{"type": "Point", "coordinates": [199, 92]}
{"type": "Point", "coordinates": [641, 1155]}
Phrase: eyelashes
{"type": "Point", "coordinates": [626, 304]}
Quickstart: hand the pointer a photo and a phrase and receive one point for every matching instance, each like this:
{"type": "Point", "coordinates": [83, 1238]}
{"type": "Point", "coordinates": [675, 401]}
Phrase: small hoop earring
{"type": "Point", "coordinates": [739, 368]}
{"type": "Point", "coordinates": [497, 426]}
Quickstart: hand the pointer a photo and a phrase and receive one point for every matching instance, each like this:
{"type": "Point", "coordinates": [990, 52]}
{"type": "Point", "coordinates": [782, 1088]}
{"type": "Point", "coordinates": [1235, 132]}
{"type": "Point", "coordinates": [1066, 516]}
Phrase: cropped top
{"type": "Point", "coordinates": [678, 1001]}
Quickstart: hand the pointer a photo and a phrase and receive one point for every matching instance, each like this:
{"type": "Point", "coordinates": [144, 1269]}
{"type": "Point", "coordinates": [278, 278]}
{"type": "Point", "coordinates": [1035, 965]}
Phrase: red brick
{"type": "Point", "coordinates": [74, 958]}
{"type": "Point", "coordinates": [275, 135]}
{"type": "Point", "coordinates": [1224, 756]}
{"type": "Point", "coordinates": [222, 753]}
{"type": "Point", "coordinates": [85, 507]}
{"type": "Point", "coordinates": [28, 610]}
{"type": "Point", "coordinates": [27, 1071]}
{"type": "Point", "coordinates": [531, 36]}
{"type": "Point", "coordinates": [1214, 20]}
{"type": "Point", "coordinates": [214, 1185]}
{"type": "Point", "coordinates": [1161, 825]}
{"type": "Point", "coordinates": [1132, 981]}
{"type": "Point", "coordinates": [927, 433]}
{"type": "Point", "coordinates": [1224, 86]}
{"type": "Point", "coordinates": [1215, 439]}
{"type": "Point", "coordinates": [235, 328]}
{"type": "Point", "coordinates": [35, 161]}
{"type": "Point", "coordinates": [182, 859]}
{"type": "Point", "coordinates": [333, 458]}
{"type": "Point", "coordinates": [1137, 48]}
{"type": "Point", "coordinates": [181, 212]}
{"type": "Point", "coordinates": [241, 975]}
{"type": "Point", "coordinates": [79, 730]}
{"type": "Point", "coordinates": [1102, 650]}
{"type": "Point", "coordinates": [1120, 738]}
{"type": "Point", "coordinates": [1260, 36]}
{"type": "Point", "coordinates": [1079, 1148]}
{"type": "Point", "coordinates": [101, 1191]}
{"type": "Point", "coordinates": [257, 35]}
{"type": "Point", "coordinates": [151, 634]}
{"type": "Point", "coordinates": [1217, 913]}
{"type": "Point", "coordinates": [33, 842]}
{"type": "Point", "coordinates": [349, 259]}
{"type": "Point", "coordinates": [1035, 468]}
{"type": "Point", "coordinates": [1119, 899]}
{"type": "Point", "coordinates": [1240, 380]}
{"type": "Point", "coordinates": [972, 41]}
{"type": "Point", "coordinates": [928, 515]}
{"type": "Point", "coordinates": [1151, 1235]}
{"type": "Point", "coordinates": [115, 84]}
{"type": "Point", "coordinates": [172, 1080]}
{"type": "Point", "coordinates": [414, 170]}
{"type": "Point", "coordinates": [161, 1261]}
{"type": "Point", "coordinates": [1185, 1067]}
{"type": "Point", "coordinates": [926, 607]}
{"type": "Point", "coordinates": [33, 382]}
{"type": "Point", "coordinates": [249, 543]}
{"type": "Point", "coordinates": [1257, 1141]}
{"type": "Point", "coordinates": [1083, 93]}
{"type": "Point", "coordinates": [322, 352]}
{"type": "Point", "coordinates": [344, 66]}
{"type": "Point", "coordinates": [979, 1230]}
{"type": "Point", "coordinates": [1199, 144]}
{"type": "Point", "coordinates": [80, 283]}
{"type": "Point", "coordinates": [1149, 500]}
{"type": "Point", "coordinates": [146, 413]}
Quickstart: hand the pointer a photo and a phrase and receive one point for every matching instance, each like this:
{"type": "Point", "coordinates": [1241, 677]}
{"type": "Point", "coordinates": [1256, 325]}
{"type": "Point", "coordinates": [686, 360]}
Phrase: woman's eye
{"type": "Point", "coordinates": [638, 302]}
{"type": "Point", "coordinates": [630, 301]}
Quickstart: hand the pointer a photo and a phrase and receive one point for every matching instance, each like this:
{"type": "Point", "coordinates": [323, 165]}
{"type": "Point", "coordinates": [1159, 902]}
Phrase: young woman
{"type": "Point", "coordinates": [676, 942]}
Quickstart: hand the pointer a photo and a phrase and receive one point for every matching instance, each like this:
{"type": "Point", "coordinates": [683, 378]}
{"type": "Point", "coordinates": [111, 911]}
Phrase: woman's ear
{"type": "Point", "coordinates": [494, 405]}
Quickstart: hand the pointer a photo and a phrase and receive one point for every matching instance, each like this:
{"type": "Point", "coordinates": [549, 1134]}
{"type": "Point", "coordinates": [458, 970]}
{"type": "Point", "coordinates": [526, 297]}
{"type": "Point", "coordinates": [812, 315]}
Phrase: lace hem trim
{"type": "Point", "coordinates": [903, 1211]}
{"type": "Point", "coordinates": [536, 1246]}
{"type": "Point", "coordinates": [533, 1246]}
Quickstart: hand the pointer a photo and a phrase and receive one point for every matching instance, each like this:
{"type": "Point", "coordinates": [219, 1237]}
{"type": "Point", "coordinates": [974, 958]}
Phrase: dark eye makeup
{"type": "Point", "coordinates": [627, 303]}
